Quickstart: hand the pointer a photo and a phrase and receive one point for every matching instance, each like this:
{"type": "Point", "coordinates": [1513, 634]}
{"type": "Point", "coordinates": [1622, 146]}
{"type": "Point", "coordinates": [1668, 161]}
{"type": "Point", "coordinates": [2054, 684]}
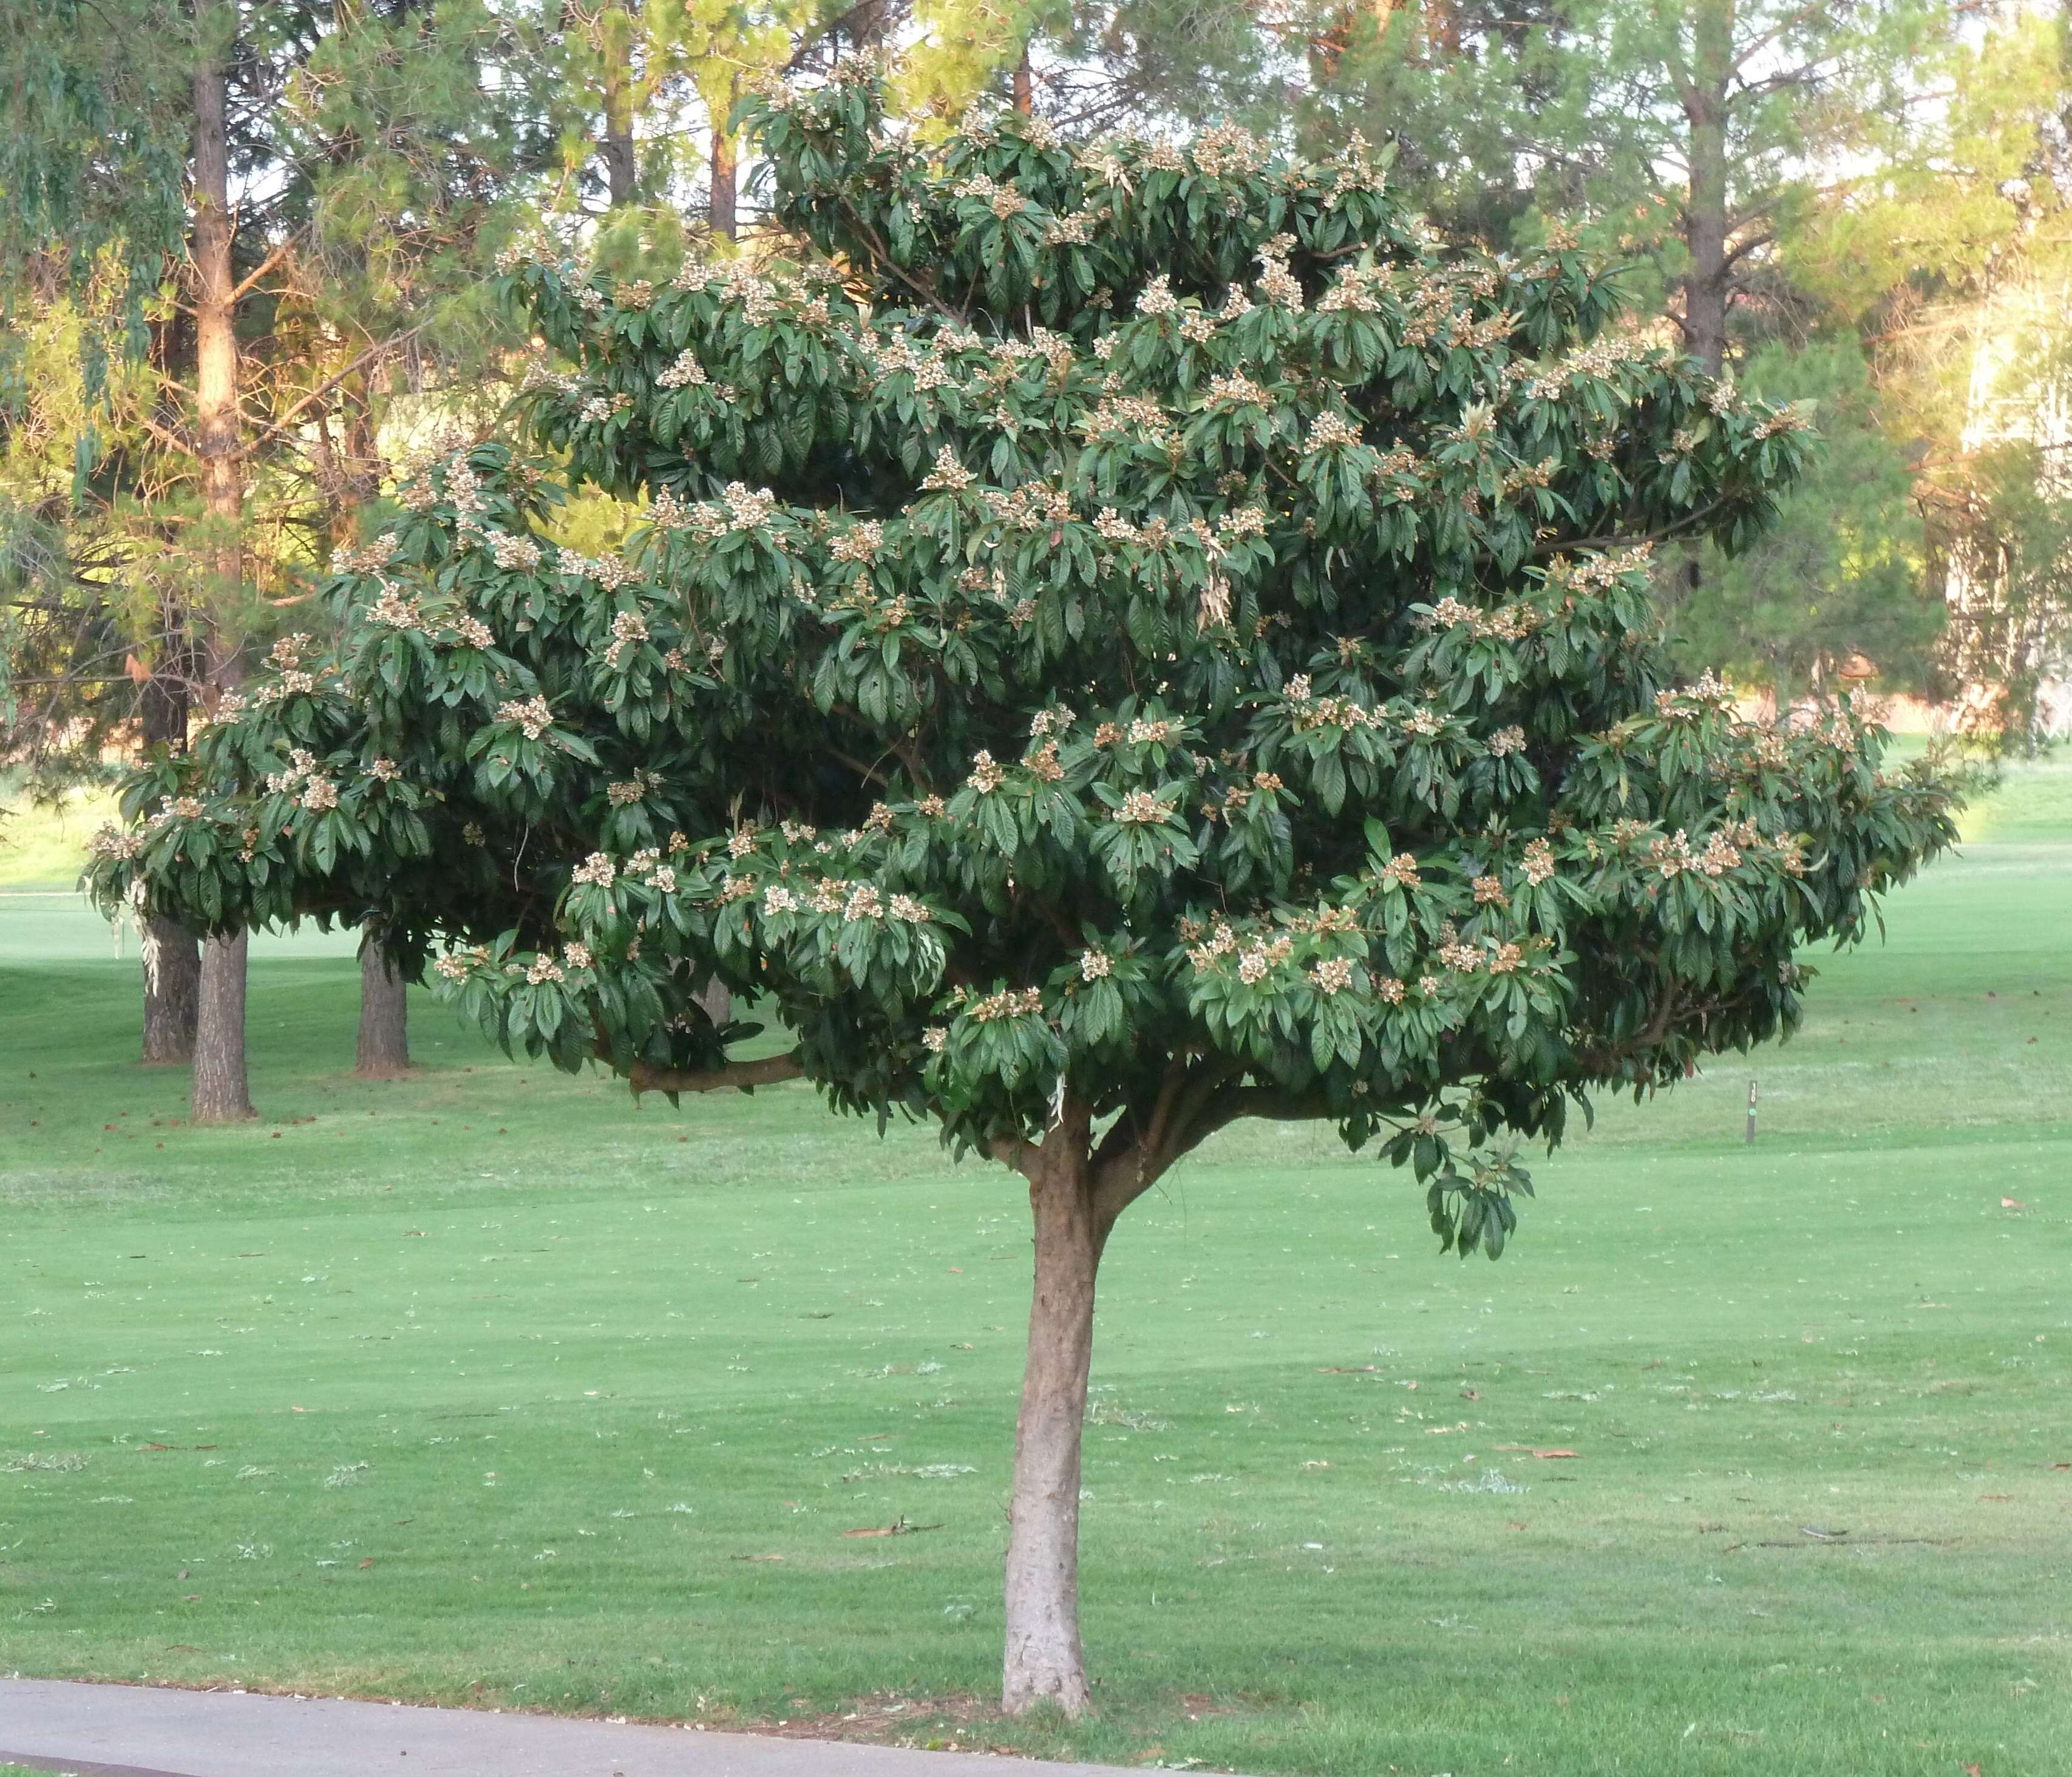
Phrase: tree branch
{"type": "Point", "coordinates": [745, 1076]}
{"type": "Point", "coordinates": [282, 421]}
{"type": "Point", "coordinates": [1675, 528]}
{"type": "Point", "coordinates": [262, 268]}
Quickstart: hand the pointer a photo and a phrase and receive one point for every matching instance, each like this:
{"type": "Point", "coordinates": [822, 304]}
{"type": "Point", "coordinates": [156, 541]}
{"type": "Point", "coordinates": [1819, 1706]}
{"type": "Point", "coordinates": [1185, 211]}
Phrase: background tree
{"type": "Point", "coordinates": [369, 156]}
{"type": "Point", "coordinates": [1844, 572]}
{"type": "Point", "coordinates": [1783, 177]}
{"type": "Point", "coordinates": [90, 205]}
{"type": "Point", "coordinates": [1190, 660]}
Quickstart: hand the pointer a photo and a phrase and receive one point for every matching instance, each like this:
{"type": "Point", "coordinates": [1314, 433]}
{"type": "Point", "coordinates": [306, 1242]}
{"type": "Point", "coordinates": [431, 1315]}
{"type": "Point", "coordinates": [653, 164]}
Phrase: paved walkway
{"type": "Point", "coordinates": [121, 1730]}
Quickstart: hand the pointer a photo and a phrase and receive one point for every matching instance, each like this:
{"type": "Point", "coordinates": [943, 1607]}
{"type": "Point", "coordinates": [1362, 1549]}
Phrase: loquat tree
{"type": "Point", "coordinates": [1119, 640]}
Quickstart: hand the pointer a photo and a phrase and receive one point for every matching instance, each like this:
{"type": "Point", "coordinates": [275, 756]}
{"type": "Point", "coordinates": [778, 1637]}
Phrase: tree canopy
{"type": "Point", "coordinates": [1119, 639]}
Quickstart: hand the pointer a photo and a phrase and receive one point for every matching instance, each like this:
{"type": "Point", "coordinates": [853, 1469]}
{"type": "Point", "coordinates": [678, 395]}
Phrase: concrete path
{"type": "Point", "coordinates": [121, 1730]}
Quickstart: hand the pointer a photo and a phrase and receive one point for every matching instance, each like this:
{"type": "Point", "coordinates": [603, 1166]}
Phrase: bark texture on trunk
{"type": "Point", "coordinates": [1705, 110]}
{"type": "Point", "coordinates": [172, 986]}
{"type": "Point", "coordinates": [1025, 85]}
{"type": "Point", "coordinates": [220, 1094]}
{"type": "Point", "coordinates": [723, 192]}
{"type": "Point", "coordinates": [216, 330]}
{"type": "Point", "coordinates": [621, 167]}
{"type": "Point", "coordinates": [1044, 1661]}
{"type": "Point", "coordinates": [172, 958]}
{"type": "Point", "coordinates": [383, 1050]}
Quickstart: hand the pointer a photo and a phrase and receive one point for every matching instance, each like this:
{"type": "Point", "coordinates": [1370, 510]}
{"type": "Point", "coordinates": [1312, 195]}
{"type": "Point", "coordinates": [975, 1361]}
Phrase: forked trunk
{"type": "Point", "coordinates": [1044, 1661]}
{"type": "Point", "coordinates": [172, 980]}
{"type": "Point", "coordinates": [383, 1051]}
{"type": "Point", "coordinates": [220, 1095]}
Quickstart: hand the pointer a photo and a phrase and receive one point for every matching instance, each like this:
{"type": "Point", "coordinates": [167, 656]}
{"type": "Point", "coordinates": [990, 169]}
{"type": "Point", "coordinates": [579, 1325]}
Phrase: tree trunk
{"type": "Point", "coordinates": [1025, 85]}
{"type": "Point", "coordinates": [172, 985]}
{"type": "Point", "coordinates": [621, 168]}
{"type": "Point", "coordinates": [722, 182]}
{"type": "Point", "coordinates": [1044, 1661]}
{"type": "Point", "coordinates": [1705, 108]}
{"type": "Point", "coordinates": [216, 323]}
{"type": "Point", "coordinates": [172, 958]}
{"type": "Point", "coordinates": [220, 1095]}
{"type": "Point", "coordinates": [383, 1051]}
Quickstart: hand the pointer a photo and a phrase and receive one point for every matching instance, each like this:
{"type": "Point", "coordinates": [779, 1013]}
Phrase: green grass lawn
{"type": "Point", "coordinates": [488, 1388]}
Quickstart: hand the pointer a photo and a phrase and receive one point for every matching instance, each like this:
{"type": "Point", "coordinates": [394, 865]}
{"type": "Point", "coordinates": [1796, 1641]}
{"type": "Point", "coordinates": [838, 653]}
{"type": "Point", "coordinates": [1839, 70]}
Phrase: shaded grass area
{"type": "Point", "coordinates": [484, 1388]}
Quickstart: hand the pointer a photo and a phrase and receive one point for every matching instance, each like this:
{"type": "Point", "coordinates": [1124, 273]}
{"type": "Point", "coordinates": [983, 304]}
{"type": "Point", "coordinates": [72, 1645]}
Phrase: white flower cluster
{"type": "Point", "coordinates": [1672, 856]}
{"type": "Point", "coordinates": [1278, 286]}
{"type": "Point", "coordinates": [860, 543]}
{"type": "Point", "coordinates": [1003, 200]}
{"type": "Point", "coordinates": [531, 714]}
{"type": "Point", "coordinates": [686, 372]}
{"type": "Point", "coordinates": [394, 609]}
{"type": "Point", "coordinates": [1507, 623]}
{"type": "Point", "coordinates": [1310, 711]}
{"type": "Point", "coordinates": [1239, 390]}
{"type": "Point", "coordinates": [1357, 290]}
{"type": "Point", "coordinates": [303, 780]}
{"type": "Point", "coordinates": [1332, 975]}
{"type": "Point", "coordinates": [1034, 506]}
{"type": "Point", "coordinates": [1328, 430]}
{"type": "Point", "coordinates": [1158, 298]}
{"type": "Point", "coordinates": [627, 628]}
{"type": "Point", "coordinates": [948, 475]}
{"type": "Point", "coordinates": [1009, 1002]}
{"type": "Point", "coordinates": [1602, 360]}
{"type": "Point", "coordinates": [518, 552]}
{"type": "Point", "coordinates": [1226, 151]}
{"type": "Point", "coordinates": [1594, 573]}
{"type": "Point", "coordinates": [456, 965]}
{"type": "Point", "coordinates": [368, 558]}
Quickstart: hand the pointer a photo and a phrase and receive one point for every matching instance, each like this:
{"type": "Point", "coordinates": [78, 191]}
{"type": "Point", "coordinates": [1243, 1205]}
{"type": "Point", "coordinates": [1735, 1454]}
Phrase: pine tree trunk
{"type": "Point", "coordinates": [1025, 85]}
{"type": "Point", "coordinates": [172, 985]}
{"type": "Point", "coordinates": [620, 167]}
{"type": "Point", "coordinates": [1706, 285]}
{"type": "Point", "coordinates": [723, 193]}
{"type": "Point", "coordinates": [172, 958]}
{"type": "Point", "coordinates": [220, 1095]}
{"type": "Point", "coordinates": [383, 1051]}
{"type": "Point", "coordinates": [1044, 1661]}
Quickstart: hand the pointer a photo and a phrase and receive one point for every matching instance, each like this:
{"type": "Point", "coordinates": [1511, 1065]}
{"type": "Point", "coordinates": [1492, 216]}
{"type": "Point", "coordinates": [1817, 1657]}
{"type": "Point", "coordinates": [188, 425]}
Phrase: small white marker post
{"type": "Point", "coordinates": [1751, 1115]}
